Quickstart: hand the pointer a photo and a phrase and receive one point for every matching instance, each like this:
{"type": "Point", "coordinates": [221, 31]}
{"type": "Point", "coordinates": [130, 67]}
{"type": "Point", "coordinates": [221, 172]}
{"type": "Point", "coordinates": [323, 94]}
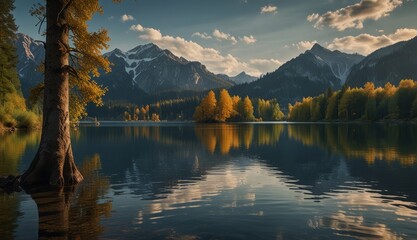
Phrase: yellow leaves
{"type": "Point", "coordinates": [87, 58]}
{"type": "Point", "coordinates": [205, 112]}
{"type": "Point", "coordinates": [14, 102]}
{"type": "Point", "coordinates": [224, 108]}
{"type": "Point", "coordinates": [246, 110]}
{"type": "Point", "coordinates": [367, 103]}
{"type": "Point", "coordinates": [408, 83]}
{"type": "Point", "coordinates": [230, 108]}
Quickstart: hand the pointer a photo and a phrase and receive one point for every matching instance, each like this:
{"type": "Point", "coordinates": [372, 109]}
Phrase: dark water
{"type": "Point", "coordinates": [242, 181]}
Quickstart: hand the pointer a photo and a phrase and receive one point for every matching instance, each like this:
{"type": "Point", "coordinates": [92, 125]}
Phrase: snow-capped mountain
{"type": "Point", "coordinates": [145, 68]}
{"type": "Point", "coordinates": [390, 64]}
{"type": "Point", "coordinates": [155, 70]}
{"type": "Point", "coordinates": [309, 74]}
{"type": "Point", "coordinates": [30, 56]}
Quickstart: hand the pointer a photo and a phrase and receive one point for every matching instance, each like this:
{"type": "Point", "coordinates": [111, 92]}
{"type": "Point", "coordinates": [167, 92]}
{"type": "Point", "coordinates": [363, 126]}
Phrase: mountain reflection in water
{"type": "Point", "coordinates": [223, 181]}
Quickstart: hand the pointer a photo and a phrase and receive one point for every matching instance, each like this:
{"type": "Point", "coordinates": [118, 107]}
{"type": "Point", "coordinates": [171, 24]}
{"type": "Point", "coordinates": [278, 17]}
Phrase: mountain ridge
{"type": "Point", "coordinates": [389, 64]}
{"type": "Point", "coordinates": [156, 70]}
{"type": "Point", "coordinates": [308, 74]}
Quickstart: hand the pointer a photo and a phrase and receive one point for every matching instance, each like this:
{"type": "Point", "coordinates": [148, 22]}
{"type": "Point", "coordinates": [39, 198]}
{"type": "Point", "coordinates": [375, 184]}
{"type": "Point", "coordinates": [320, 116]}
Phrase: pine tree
{"type": "Point", "coordinates": [9, 81]}
{"type": "Point", "coordinates": [66, 21]}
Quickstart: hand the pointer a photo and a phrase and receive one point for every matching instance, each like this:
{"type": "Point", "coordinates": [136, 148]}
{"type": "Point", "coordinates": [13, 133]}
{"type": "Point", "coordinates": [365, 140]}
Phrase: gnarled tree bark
{"type": "Point", "coordinates": [54, 161]}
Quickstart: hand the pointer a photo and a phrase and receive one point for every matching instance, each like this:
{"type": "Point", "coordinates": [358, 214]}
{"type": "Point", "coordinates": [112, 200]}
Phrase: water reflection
{"type": "Point", "coordinates": [354, 227]}
{"type": "Point", "coordinates": [12, 147]}
{"type": "Point", "coordinates": [74, 212]}
{"type": "Point", "coordinates": [367, 141]}
{"type": "Point", "coordinates": [253, 181]}
{"type": "Point", "coordinates": [226, 137]}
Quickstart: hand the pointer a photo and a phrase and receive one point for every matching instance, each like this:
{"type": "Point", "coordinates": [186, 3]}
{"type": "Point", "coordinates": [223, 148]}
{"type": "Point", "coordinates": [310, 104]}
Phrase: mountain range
{"type": "Point", "coordinates": [390, 64]}
{"type": "Point", "coordinates": [155, 70]}
{"type": "Point", "coordinates": [148, 73]}
{"type": "Point", "coordinates": [309, 74]}
{"type": "Point", "coordinates": [143, 70]}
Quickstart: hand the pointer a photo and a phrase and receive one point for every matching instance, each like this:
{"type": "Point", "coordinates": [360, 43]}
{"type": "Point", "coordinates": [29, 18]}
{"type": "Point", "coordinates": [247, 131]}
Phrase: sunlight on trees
{"type": "Point", "coordinates": [224, 107]}
{"type": "Point", "coordinates": [13, 110]}
{"type": "Point", "coordinates": [234, 109]}
{"type": "Point", "coordinates": [366, 103]}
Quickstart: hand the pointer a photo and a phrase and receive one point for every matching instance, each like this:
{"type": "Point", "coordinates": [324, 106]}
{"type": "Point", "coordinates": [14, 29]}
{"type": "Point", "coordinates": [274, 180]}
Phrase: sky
{"type": "Point", "coordinates": [255, 36]}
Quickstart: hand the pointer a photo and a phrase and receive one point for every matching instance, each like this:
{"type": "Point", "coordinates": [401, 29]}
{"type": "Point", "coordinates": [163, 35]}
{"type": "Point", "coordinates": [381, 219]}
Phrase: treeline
{"type": "Point", "coordinates": [172, 109]}
{"type": "Point", "coordinates": [367, 103]}
{"type": "Point", "coordinates": [234, 109]}
{"type": "Point", "coordinates": [13, 109]}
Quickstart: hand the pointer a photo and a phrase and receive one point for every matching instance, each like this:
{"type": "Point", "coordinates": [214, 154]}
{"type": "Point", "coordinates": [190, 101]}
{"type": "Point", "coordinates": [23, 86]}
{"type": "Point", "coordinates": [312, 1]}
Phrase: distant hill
{"type": "Point", "coordinates": [241, 78]}
{"type": "Point", "coordinates": [309, 74]}
{"type": "Point", "coordinates": [389, 64]}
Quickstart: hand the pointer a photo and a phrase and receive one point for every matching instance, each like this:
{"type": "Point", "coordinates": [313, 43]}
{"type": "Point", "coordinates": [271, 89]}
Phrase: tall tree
{"type": "Point", "coordinates": [9, 81]}
{"type": "Point", "coordinates": [65, 20]}
{"type": "Point", "coordinates": [224, 108]}
{"type": "Point", "coordinates": [246, 110]}
{"type": "Point", "coordinates": [205, 112]}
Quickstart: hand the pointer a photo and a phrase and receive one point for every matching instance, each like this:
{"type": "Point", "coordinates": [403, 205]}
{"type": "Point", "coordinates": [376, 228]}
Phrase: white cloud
{"type": "Point", "coordinates": [366, 43]}
{"type": "Point", "coordinates": [201, 35]}
{"type": "Point", "coordinates": [304, 45]}
{"type": "Point", "coordinates": [137, 28]}
{"type": "Point", "coordinates": [248, 39]}
{"type": "Point", "coordinates": [221, 36]}
{"type": "Point", "coordinates": [150, 34]}
{"type": "Point", "coordinates": [212, 58]}
{"type": "Point", "coordinates": [125, 18]}
{"type": "Point", "coordinates": [269, 9]}
{"type": "Point", "coordinates": [264, 65]}
{"type": "Point", "coordinates": [353, 16]}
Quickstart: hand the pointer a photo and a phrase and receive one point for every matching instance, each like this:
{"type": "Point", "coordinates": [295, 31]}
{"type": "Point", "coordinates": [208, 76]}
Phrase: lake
{"type": "Point", "coordinates": [222, 181]}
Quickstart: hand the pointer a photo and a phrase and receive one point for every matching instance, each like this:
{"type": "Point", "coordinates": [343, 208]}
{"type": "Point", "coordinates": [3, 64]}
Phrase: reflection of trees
{"type": "Point", "coordinates": [370, 142]}
{"type": "Point", "coordinates": [269, 134]}
{"type": "Point", "coordinates": [86, 211]}
{"type": "Point", "coordinates": [225, 137]}
{"type": "Point", "coordinates": [68, 213]}
{"type": "Point", "coordinates": [9, 205]}
{"type": "Point", "coordinates": [12, 147]}
{"type": "Point", "coordinates": [320, 159]}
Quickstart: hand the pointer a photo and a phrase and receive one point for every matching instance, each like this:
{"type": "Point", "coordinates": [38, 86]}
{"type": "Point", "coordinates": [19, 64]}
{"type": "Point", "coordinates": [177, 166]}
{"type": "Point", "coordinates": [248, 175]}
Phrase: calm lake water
{"type": "Point", "coordinates": [231, 181]}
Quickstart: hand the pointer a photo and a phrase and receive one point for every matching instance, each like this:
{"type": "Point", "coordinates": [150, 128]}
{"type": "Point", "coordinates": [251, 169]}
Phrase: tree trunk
{"type": "Point", "coordinates": [54, 162]}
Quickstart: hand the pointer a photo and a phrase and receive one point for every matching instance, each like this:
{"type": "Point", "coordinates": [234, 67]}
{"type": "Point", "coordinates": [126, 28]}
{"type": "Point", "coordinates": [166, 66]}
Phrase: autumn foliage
{"type": "Point", "coordinates": [234, 109]}
{"type": "Point", "coordinates": [368, 103]}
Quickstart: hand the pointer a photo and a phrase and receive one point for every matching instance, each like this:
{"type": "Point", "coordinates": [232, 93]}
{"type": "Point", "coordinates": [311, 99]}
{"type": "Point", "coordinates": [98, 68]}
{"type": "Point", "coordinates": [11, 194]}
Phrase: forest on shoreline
{"type": "Point", "coordinates": [368, 103]}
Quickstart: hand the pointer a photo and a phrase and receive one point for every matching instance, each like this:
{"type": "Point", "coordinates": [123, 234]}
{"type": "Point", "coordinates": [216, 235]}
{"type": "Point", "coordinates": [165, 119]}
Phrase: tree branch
{"type": "Point", "coordinates": [63, 9]}
{"type": "Point", "coordinates": [70, 70]}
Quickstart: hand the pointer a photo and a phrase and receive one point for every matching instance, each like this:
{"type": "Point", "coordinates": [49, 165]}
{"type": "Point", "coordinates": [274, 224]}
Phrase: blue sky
{"type": "Point", "coordinates": [256, 36]}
